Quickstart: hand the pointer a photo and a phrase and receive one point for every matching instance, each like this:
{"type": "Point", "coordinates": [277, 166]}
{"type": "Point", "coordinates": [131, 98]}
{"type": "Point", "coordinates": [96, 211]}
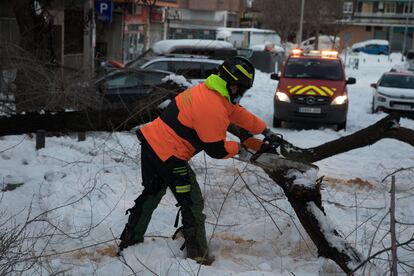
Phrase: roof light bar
{"type": "Point", "coordinates": [296, 52]}
{"type": "Point", "coordinates": [329, 54]}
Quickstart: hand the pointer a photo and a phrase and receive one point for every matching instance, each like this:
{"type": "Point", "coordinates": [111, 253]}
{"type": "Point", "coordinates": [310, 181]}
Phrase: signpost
{"type": "Point", "coordinates": [103, 10]}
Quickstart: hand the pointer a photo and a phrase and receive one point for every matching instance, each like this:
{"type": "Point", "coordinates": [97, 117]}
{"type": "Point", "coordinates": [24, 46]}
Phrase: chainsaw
{"type": "Point", "coordinates": [270, 157]}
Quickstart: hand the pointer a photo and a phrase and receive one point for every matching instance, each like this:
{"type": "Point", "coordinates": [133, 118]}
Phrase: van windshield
{"type": "Point", "coordinates": [311, 68]}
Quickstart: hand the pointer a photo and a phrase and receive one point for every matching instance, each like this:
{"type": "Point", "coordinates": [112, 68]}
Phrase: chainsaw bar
{"type": "Point", "coordinates": [272, 161]}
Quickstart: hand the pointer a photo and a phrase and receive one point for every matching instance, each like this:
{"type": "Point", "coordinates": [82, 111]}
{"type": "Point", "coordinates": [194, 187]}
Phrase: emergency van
{"type": "Point", "coordinates": [312, 88]}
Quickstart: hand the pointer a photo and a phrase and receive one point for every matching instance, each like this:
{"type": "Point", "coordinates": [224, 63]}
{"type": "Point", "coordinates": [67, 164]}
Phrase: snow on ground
{"type": "Point", "coordinates": [84, 188]}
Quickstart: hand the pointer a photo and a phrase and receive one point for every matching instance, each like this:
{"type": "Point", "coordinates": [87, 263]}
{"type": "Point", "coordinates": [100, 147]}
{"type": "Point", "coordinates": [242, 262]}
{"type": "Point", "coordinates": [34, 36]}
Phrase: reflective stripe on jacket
{"type": "Point", "coordinates": [197, 120]}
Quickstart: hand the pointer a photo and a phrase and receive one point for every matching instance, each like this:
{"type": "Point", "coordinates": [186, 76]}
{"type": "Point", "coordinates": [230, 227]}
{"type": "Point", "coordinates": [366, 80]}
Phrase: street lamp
{"type": "Point", "coordinates": [302, 10]}
{"type": "Point", "coordinates": [406, 29]}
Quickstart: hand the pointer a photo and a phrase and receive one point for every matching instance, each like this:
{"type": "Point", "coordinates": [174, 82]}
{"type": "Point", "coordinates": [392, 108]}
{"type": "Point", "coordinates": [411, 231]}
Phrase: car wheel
{"type": "Point", "coordinates": [277, 122]}
{"type": "Point", "coordinates": [341, 126]}
{"type": "Point", "coordinates": [373, 109]}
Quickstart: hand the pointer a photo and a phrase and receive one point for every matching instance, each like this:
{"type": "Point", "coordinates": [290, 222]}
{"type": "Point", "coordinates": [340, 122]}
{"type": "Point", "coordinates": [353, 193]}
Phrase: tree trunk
{"type": "Point", "coordinates": [306, 201]}
{"type": "Point", "coordinates": [36, 42]}
{"type": "Point", "coordinates": [386, 128]}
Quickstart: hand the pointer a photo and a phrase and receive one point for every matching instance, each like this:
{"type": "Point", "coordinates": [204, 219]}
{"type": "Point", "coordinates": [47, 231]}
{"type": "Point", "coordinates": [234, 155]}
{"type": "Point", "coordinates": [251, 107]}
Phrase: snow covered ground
{"type": "Point", "coordinates": [76, 194]}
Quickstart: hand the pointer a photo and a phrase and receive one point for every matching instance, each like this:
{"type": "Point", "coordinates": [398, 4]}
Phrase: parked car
{"type": "Point", "coordinates": [195, 59]}
{"type": "Point", "coordinates": [372, 47]}
{"type": "Point", "coordinates": [312, 88]}
{"type": "Point", "coordinates": [394, 91]}
{"type": "Point", "coordinates": [194, 68]}
{"type": "Point", "coordinates": [134, 89]}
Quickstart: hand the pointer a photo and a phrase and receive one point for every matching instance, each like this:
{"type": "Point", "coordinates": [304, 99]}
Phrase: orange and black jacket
{"type": "Point", "coordinates": [197, 119]}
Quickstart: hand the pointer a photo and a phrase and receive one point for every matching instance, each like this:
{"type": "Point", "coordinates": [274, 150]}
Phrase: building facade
{"type": "Point", "coordinates": [137, 25]}
{"type": "Point", "coordinates": [200, 19]}
{"type": "Point", "coordinates": [392, 20]}
{"type": "Point", "coordinates": [82, 36]}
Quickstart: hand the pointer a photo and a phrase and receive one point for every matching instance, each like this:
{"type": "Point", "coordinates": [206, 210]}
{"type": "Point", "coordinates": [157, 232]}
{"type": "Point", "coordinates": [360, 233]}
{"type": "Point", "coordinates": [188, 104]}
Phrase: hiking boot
{"type": "Point", "coordinates": [208, 260]}
{"type": "Point", "coordinates": [197, 246]}
{"type": "Point", "coordinates": [127, 239]}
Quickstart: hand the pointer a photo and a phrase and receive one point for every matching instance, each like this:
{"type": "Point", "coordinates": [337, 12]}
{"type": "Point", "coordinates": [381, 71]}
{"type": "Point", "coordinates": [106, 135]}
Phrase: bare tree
{"type": "Point", "coordinates": [283, 16]}
{"type": "Point", "coordinates": [35, 26]}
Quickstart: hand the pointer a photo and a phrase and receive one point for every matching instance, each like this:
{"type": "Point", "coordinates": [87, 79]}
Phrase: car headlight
{"type": "Point", "coordinates": [282, 97]}
{"type": "Point", "coordinates": [381, 99]}
{"type": "Point", "coordinates": [340, 100]}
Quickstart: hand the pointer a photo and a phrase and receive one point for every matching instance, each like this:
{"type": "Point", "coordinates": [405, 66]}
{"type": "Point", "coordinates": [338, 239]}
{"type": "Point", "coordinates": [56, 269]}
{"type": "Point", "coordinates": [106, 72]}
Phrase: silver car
{"type": "Point", "coordinates": [195, 69]}
{"type": "Point", "coordinates": [394, 92]}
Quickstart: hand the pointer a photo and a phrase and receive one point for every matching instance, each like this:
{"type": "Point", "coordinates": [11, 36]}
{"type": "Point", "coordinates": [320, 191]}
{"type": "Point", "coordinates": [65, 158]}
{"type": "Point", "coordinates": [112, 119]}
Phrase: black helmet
{"type": "Point", "coordinates": [237, 71]}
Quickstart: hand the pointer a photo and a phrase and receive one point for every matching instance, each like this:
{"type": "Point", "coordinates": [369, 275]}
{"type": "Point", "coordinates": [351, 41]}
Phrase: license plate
{"type": "Point", "coordinates": [313, 110]}
{"type": "Point", "coordinates": [402, 107]}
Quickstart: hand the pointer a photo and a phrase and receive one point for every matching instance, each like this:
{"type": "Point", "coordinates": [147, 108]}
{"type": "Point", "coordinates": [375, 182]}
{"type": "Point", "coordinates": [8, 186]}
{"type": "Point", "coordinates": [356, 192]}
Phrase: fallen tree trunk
{"type": "Point", "coordinates": [306, 200]}
{"type": "Point", "coordinates": [388, 127]}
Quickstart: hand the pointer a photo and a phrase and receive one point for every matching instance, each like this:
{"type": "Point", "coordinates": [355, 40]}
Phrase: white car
{"type": "Point", "coordinates": [394, 92]}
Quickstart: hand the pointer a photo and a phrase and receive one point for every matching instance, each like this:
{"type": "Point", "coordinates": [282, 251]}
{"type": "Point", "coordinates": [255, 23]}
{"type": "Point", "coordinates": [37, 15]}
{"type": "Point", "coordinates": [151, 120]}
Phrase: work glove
{"type": "Point", "coordinates": [272, 137]}
{"type": "Point", "coordinates": [252, 143]}
{"type": "Point", "coordinates": [257, 145]}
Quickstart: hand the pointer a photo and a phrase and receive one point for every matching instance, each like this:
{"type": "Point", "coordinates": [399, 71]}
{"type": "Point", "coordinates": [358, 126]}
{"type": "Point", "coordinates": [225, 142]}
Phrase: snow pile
{"type": "Point", "coordinates": [181, 80]}
{"type": "Point", "coordinates": [306, 179]}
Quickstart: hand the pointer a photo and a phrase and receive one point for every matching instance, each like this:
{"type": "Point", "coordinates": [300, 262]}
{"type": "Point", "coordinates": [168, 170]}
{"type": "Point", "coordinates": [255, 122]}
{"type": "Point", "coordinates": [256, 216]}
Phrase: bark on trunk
{"type": "Point", "coordinates": [302, 198]}
{"type": "Point", "coordinates": [388, 127]}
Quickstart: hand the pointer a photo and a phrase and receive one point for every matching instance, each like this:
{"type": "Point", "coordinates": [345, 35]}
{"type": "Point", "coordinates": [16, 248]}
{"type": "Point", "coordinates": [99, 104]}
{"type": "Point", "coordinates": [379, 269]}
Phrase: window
{"type": "Point", "coordinates": [159, 65]}
{"type": "Point", "coordinates": [368, 28]}
{"type": "Point", "coordinates": [133, 27]}
{"type": "Point", "coordinates": [397, 81]}
{"type": "Point", "coordinates": [390, 7]}
{"type": "Point", "coordinates": [347, 7]}
{"type": "Point", "coordinates": [151, 78]}
{"type": "Point", "coordinates": [313, 69]}
{"type": "Point", "coordinates": [122, 81]}
{"type": "Point", "coordinates": [190, 70]}
{"type": "Point", "coordinates": [209, 68]}
{"type": "Point", "coordinates": [73, 32]}
{"type": "Point", "coordinates": [408, 8]}
{"type": "Point", "coordinates": [135, 80]}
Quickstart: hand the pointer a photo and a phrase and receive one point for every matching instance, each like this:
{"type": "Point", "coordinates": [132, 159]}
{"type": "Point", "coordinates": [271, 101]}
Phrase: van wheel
{"type": "Point", "coordinates": [341, 126]}
{"type": "Point", "coordinates": [277, 122]}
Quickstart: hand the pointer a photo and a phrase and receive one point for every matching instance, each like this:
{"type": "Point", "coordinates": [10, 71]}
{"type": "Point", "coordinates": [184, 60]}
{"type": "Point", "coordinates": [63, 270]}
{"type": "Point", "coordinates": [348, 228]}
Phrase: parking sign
{"type": "Point", "coordinates": [103, 10]}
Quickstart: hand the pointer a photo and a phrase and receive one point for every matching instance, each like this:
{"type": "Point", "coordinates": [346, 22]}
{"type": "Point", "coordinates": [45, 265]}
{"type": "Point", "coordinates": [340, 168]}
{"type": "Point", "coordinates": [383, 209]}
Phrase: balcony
{"type": "Point", "coordinates": [383, 15]}
{"type": "Point", "coordinates": [381, 18]}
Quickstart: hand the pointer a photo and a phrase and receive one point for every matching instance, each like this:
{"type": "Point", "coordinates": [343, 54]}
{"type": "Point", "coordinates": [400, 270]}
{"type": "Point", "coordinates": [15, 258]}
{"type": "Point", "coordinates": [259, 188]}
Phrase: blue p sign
{"type": "Point", "coordinates": [104, 10]}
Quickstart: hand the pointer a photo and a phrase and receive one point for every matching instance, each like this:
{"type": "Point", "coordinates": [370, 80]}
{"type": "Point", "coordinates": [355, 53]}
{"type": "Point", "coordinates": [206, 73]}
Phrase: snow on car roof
{"type": "Point", "coordinates": [164, 47]}
{"type": "Point", "coordinates": [399, 73]}
{"type": "Point", "coordinates": [369, 42]}
{"type": "Point", "coordinates": [245, 30]}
